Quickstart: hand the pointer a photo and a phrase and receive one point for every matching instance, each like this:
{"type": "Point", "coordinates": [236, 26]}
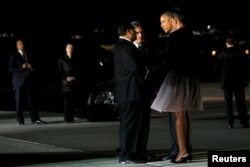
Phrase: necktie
{"type": "Point", "coordinates": [140, 48]}
{"type": "Point", "coordinates": [24, 56]}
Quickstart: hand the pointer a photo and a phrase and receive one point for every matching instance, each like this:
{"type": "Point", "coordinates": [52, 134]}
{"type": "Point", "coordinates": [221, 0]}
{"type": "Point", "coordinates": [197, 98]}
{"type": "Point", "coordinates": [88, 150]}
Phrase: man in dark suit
{"type": "Point", "coordinates": [148, 58]}
{"type": "Point", "coordinates": [128, 93]}
{"type": "Point", "coordinates": [21, 70]}
{"type": "Point", "coordinates": [232, 64]}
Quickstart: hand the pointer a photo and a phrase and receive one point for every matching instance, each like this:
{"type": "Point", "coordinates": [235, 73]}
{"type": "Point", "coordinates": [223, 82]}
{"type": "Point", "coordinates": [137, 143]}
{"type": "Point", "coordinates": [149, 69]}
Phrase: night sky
{"type": "Point", "coordinates": [41, 13]}
{"type": "Point", "coordinates": [75, 15]}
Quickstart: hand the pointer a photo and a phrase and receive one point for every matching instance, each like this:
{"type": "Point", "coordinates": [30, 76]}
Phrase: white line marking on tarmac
{"type": "Point", "coordinates": [40, 144]}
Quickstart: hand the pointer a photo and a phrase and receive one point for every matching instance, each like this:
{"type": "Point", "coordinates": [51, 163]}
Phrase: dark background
{"type": "Point", "coordinates": [47, 25]}
{"type": "Point", "coordinates": [74, 15]}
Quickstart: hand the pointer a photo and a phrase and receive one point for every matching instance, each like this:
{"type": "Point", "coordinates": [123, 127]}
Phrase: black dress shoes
{"type": "Point", "coordinates": [150, 157]}
{"type": "Point", "coordinates": [21, 123]}
{"type": "Point", "coordinates": [39, 122]}
{"type": "Point", "coordinates": [132, 162]}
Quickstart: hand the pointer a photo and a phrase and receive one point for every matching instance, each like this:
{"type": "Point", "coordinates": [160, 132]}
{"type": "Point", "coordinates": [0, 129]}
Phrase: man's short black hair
{"type": "Point", "coordinates": [177, 12]}
{"type": "Point", "coordinates": [123, 28]}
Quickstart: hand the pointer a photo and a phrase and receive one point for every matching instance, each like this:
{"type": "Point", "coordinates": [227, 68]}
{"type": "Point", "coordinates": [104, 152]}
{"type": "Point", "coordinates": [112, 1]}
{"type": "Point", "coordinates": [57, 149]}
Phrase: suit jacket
{"type": "Point", "coordinates": [232, 65]}
{"type": "Point", "coordinates": [19, 75]}
{"type": "Point", "coordinates": [128, 74]}
{"type": "Point", "coordinates": [66, 68]}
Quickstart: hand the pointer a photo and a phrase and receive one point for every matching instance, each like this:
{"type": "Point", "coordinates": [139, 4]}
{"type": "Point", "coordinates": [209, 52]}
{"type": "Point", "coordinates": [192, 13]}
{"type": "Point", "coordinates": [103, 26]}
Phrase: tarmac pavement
{"type": "Point", "coordinates": [209, 133]}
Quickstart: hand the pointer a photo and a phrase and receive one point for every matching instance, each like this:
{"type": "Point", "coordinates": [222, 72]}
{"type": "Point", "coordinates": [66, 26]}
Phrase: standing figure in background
{"type": "Point", "coordinates": [67, 71]}
{"type": "Point", "coordinates": [180, 91]}
{"type": "Point", "coordinates": [21, 69]}
{"type": "Point", "coordinates": [233, 66]}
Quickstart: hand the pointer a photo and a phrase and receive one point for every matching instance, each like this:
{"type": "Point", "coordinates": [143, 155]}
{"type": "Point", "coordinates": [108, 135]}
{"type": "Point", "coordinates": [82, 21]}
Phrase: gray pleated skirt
{"type": "Point", "coordinates": [178, 93]}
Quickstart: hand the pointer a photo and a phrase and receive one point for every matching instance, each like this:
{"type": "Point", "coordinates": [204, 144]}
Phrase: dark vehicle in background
{"type": "Point", "coordinates": [96, 79]}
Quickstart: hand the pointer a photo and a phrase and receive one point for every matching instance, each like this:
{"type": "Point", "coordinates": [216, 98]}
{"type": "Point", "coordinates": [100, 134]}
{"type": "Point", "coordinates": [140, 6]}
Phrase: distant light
{"type": "Point", "coordinates": [247, 52]}
{"type": "Point", "coordinates": [99, 30]}
{"type": "Point", "coordinates": [209, 27]}
{"type": "Point", "coordinates": [6, 35]}
{"type": "Point", "coordinates": [198, 33]}
{"type": "Point", "coordinates": [76, 36]}
{"type": "Point", "coordinates": [100, 63]}
{"type": "Point", "coordinates": [213, 53]}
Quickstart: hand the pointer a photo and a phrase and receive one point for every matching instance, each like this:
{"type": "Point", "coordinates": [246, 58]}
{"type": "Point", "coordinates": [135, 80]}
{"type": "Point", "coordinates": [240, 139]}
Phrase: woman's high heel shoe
{"type": "Point", "coordinates": [183, 158]}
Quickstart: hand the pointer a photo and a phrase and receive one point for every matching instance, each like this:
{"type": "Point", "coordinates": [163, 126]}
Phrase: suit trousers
{"type": "Point", "coordinates": [174, 148]}
{"type": "Point", "coordinates": [131, 127]}
{"type": "Point", "coordinates": [239, 94]}
{"type": "Point", "coordinates": [145, 127]}
{"type": "Point", "coordinates": [68, 106]}
{"type": "Point", "coordinates": [23, 94]}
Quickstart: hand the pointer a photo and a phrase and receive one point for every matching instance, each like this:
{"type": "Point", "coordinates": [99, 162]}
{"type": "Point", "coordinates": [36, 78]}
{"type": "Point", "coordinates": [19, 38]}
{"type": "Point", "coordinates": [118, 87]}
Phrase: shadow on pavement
{"type": "Point", "coordinates": [20, 159]}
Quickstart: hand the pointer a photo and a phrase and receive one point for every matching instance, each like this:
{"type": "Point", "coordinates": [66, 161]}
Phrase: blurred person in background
{"type": "Point", "coordinates": [21, 69]}
{"type": "Point", "coordinates": [67, 70]}
{"type": "Point", "coordinates": [233, 66]}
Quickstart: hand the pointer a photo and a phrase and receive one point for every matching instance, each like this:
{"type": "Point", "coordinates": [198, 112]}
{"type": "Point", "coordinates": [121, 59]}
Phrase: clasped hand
{"type": "Point", "coordinates": [70, 78]}
{"type": "Point", "coordinates": [26, 66]}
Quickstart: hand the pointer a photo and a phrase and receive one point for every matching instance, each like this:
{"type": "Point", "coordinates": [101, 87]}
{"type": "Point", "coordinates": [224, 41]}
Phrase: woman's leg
{"type": "Point", "coordinates": [188, 137]}
{"type": "Point", "coordinates": [181, 131]}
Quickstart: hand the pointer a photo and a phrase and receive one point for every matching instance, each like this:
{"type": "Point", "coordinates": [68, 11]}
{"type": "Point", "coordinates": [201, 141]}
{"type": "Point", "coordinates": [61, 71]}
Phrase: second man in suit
{"type": "Point", "coordinates": [232, 65]}
{"type": "Point", "coordinates": [21, 70]}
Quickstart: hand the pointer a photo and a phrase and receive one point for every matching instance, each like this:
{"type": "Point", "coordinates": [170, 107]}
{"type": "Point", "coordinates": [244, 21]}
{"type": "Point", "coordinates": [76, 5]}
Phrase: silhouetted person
{"type": "Point", "coordinates": [67, 70]}
{"type": "Point", "coordinates": [232, 65]}
{"type": "Point", "coordinates": [21, 69]}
